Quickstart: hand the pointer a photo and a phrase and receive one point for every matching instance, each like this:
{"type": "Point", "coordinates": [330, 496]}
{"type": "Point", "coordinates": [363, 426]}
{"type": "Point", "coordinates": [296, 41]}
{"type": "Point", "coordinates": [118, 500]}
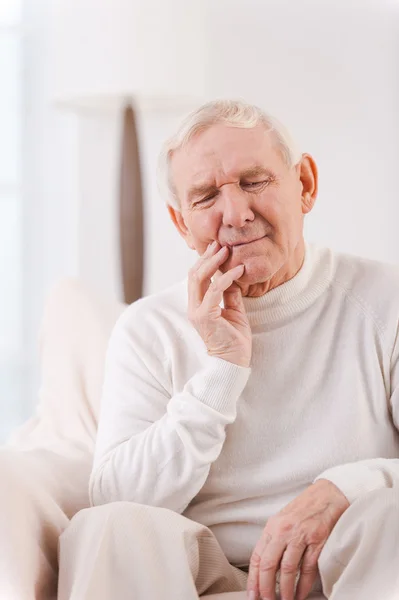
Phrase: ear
{"type": "Point", "coordinates": [179, 223]}
{"type": "Point", "coordinates": [308, 176]}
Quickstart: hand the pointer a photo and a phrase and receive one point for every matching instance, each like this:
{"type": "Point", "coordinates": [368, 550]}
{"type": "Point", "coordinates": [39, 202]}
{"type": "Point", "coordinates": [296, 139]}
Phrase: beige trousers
{"type": "Point", "coordinates": [127, 551]}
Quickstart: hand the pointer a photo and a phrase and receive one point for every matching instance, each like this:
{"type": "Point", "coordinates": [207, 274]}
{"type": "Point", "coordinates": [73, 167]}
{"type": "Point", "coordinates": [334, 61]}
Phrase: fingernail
{"type": "Point", "coordinates": [251, 595]}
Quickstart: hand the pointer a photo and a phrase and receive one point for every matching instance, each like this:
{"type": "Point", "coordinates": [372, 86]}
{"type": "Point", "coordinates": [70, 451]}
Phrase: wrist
{"type": "Point", "coordinates": [239, 361]}
{"type": "Point", "coordinates": [334, 491]}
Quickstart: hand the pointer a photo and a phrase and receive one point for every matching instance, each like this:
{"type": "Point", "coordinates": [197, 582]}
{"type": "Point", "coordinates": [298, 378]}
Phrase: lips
{"type": "Point", "coordinates": [246, 242]}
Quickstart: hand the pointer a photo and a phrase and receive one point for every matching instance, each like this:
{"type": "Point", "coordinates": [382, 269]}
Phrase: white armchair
{"type": "Point", "coordinates": [46, 463]}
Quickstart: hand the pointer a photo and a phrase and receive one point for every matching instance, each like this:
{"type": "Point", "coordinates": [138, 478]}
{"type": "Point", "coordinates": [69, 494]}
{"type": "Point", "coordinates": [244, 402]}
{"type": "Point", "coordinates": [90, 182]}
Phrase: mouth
{"type": "Point", "coordinates": [247, 242]}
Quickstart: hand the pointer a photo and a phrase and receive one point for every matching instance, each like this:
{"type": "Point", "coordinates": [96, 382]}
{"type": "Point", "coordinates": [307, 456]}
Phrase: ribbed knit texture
{"type": "Point", "coordinates": [228, 446]}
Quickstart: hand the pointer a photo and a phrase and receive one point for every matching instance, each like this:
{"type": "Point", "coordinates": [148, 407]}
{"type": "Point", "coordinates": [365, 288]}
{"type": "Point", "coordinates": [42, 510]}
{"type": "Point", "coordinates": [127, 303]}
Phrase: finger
{"type": "Point", "coordinates": [200, 275]}
{"type": "Point", "coordinates": [210, 249]}
{"type": "Point", "coordinates": [214, 293]}
{"type": "Point", "coordinates": [253, 571]}
{"type": "Point", "coordinates": [289, 568]}
{"type": "Point", "coordinates": [269, 566]}
{"type": "Point", "coordinates": [308, 571]}
{"type": "Point", "coordinates": [209, 264]}
{"type": "Point", "coordinates": [218, 274]}
{"type": "Point", "coordinates": [232, 298]}
{"type": "Point", "coordinates": [195, 274]}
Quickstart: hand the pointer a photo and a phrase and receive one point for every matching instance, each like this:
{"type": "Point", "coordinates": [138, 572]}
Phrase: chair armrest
{"type": "Point", "coordinates": [40, 491]}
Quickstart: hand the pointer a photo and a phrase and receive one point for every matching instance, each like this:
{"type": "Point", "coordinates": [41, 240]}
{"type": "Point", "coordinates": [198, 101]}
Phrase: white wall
{"type": "Point", "coordinates": [328, 69]}
{"type": "Point", "coordinates": [51, 191]}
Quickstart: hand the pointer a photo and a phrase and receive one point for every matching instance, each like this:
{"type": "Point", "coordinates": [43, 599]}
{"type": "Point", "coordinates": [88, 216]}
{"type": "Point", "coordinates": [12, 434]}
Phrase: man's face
{"type": "Point", "coordinates": [234, 187]}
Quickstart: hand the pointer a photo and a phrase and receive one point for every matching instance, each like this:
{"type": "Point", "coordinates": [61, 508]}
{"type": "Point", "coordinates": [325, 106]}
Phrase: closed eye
{"type": "Point", "coordinates": [206, 199]}
{"type": "Point", "coordinates": [246, 185]}
{"type": "Point", "coordinates": [254, 185]}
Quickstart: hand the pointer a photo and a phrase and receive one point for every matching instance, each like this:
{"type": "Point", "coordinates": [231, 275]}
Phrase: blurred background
{"type": "Point", "coordinates": [328, 69]}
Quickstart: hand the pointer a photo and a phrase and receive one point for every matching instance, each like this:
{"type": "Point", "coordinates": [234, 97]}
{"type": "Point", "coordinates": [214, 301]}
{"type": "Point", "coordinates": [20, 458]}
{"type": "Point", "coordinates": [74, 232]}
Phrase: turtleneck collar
{"type": "Point", "coordinates": [297, 294]}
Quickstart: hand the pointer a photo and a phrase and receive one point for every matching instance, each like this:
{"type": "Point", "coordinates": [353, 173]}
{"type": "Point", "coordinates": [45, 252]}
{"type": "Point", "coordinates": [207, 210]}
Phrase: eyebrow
{"type": "Point", "coordinates": [203, 189]}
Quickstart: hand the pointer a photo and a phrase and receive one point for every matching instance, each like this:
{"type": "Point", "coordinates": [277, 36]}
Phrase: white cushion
{"type": "Point", "coordinates": [73, 341]}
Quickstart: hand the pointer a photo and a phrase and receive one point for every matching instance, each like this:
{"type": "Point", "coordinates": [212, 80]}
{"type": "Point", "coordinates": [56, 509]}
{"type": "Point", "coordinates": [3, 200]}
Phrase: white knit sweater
{"type": "Point", "coordinates": [229, 446]}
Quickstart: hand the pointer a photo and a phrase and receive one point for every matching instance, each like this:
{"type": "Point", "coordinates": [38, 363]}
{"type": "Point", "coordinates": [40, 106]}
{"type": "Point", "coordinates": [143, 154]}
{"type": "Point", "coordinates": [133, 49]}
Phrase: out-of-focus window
{"type": "Point", "coordinates": [11, 329]}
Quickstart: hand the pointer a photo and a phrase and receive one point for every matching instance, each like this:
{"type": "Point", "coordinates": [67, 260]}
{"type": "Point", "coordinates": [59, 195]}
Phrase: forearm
{"type": "Point", "coordinates": [358, 478]}
{"type": "Point", "coordinates": [167, 463]}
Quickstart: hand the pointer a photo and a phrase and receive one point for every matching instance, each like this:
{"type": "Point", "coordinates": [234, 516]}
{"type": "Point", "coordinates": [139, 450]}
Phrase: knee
{"type": "Point", "coordinates": [369, 517]}
{"type": "Point", "coordinates": [359, 531]}
{"type": "Point", "coordinates": [122, 514]}
{"type": "Point", "coordinates": [377, 508]}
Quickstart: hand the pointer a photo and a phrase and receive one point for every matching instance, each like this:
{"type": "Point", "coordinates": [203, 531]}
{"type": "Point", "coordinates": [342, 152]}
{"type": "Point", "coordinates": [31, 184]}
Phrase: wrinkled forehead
{"type": "Point", "coordinates": [220, 152]}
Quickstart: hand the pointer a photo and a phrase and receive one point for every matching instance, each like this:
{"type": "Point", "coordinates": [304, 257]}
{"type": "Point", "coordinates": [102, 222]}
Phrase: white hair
{"type": "Point", "coordinates": [235, 113]}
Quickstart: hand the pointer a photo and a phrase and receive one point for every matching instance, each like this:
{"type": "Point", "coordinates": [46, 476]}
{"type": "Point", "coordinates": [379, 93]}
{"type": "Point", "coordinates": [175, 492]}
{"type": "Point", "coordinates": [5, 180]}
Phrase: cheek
{"type": "Point", "coordinates": [280, 208]}
{"type": "Point", "coordinates": [203, 227]}
{"type": "Point", "coordinates": [271, 207]}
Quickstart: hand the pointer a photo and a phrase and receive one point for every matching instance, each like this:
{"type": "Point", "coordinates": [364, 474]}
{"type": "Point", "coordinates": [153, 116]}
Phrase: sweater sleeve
{"type": "Point", "coordinates": [153, 447]}
{"type": "Point", "coordinates": [356, 479]}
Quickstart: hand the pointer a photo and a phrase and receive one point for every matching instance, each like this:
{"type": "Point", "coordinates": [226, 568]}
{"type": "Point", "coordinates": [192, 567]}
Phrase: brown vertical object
{"type": "Point", "coordinates": [131, 211]}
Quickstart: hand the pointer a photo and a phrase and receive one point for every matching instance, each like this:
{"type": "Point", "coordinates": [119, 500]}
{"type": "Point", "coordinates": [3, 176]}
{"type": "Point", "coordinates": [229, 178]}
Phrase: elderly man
{"type": "Point", "coordinates": [248, 433]}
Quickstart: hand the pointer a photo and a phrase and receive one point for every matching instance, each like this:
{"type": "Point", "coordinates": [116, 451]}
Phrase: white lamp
{"type": "Point", "coordinates": [127, 54]}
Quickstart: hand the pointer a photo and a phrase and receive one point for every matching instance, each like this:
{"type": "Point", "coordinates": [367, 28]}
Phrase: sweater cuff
{"type": "Point", "coordinates": [357, 479]}
{"type": "Point", "coordinates": [219, 384]}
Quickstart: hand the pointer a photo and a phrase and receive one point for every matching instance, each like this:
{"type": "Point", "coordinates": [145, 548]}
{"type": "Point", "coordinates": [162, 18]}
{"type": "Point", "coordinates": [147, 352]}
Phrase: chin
{"type": "Point", "coordinates": [256, 272]}
{"type": "Point", "coordinates": [258, 269]}
{"type": "Point", "coordinates": [260, 259]}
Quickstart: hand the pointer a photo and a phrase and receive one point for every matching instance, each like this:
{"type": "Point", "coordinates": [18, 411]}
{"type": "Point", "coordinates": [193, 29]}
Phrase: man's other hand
{"type": "Point", "coordinates": [292, 542]}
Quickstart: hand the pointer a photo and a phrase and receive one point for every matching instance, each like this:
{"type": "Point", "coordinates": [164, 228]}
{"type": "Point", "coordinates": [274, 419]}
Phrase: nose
{"type": "Point", "coordinates": [236, 207]}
